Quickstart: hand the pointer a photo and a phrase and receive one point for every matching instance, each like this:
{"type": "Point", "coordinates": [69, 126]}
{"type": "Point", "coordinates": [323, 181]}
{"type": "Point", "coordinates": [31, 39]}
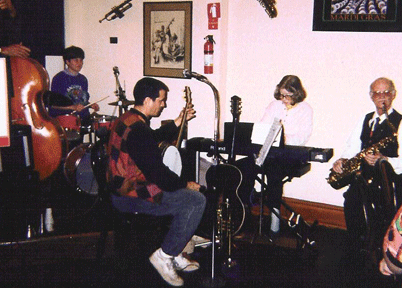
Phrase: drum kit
{"type": "Point", "coordinates": [74, 130]}
{"type": "Point", "coordinates": [77, 166]}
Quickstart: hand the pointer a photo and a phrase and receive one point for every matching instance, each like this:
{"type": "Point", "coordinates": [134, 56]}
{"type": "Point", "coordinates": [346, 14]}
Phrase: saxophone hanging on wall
{"type": "Point", "coordinates": [269, 6]}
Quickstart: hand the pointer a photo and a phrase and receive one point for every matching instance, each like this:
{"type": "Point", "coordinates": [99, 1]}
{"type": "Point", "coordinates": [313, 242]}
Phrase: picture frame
{"type": "Point", "coordinates": [167, 38]}
{"type": "Point", "coordinates": [344, 15]}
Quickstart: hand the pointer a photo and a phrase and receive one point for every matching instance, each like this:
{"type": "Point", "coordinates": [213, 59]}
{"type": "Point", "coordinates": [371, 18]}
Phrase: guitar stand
{"type": "Point", "coordinates": [298, 226]}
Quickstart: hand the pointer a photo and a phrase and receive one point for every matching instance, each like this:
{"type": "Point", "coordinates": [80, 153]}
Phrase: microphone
{"type": "Point", "coordinates": [116, 70]}
{"type": "Point", "coordinates": [197, 76]}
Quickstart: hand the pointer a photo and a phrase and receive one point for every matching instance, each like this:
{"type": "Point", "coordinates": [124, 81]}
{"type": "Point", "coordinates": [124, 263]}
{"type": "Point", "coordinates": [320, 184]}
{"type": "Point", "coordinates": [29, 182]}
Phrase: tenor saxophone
{"type": "Point", "coordinates": [350, 166]}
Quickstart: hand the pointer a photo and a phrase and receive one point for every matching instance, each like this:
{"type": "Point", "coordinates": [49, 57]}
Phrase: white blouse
{"type": "Point", "coordinates": [297, 122]}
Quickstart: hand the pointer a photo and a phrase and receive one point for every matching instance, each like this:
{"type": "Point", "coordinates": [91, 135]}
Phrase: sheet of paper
{"type": "Point", "coordinates": [260, 132]}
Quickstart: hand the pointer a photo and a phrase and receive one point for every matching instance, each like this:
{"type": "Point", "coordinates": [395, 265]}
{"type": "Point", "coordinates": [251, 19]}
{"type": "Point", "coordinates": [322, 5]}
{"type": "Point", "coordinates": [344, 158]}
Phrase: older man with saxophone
{"type": "Point", "coordinates": [373, 131]}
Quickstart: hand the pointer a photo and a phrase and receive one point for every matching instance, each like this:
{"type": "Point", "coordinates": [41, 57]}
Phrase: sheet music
{"type": "Point", "coordinates": [260, 132]}
{"type": "Point", "coordinates": [276, 127]}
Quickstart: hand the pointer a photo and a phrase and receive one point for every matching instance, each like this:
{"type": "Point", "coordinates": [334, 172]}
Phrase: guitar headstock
{"type": "Point", "coordinates": [235, 105]}
{"type": "Point", "coordinates": [269, 6]}
{"type": "Point", "coordinates": [187, 94]}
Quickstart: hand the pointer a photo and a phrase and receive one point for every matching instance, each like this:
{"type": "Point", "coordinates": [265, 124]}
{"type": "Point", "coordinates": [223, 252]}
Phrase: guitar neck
{"type": "Point", "coordinates": [184, 119]}
{"type": "Point", "coordinates": [232, 156]}
{"type": "Point", "coordinates": [273, 132]}
{"type": "Point", "coordinates": [182, 125]}
{"type": "Point", "coordinates": [235, 102]}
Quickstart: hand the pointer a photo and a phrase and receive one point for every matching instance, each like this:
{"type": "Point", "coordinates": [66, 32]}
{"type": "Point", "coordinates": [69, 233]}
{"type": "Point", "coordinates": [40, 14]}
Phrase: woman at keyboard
{"type": "Point", "coordinates": [296, 117]}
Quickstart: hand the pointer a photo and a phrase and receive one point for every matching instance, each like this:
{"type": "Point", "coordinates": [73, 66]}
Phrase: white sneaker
{"type": "Point", "coordinates": [181, 263]}
{"type": "Point", "coordinates": [165, 267]}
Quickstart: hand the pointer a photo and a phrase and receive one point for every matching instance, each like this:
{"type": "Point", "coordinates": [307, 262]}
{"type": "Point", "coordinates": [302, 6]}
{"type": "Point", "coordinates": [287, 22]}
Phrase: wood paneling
{"type": "Point", "coordinates": [327, 215]}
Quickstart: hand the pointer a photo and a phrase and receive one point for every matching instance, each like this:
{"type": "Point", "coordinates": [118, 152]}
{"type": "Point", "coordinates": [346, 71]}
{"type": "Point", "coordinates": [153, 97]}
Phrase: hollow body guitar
{"type": "Point", "coordinates": [224, 181]}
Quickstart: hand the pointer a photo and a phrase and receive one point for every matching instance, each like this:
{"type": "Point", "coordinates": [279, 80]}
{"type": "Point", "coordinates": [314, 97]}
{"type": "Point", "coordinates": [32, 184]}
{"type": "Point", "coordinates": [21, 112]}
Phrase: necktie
{"type": "Point", "coordinates": [374, 125]}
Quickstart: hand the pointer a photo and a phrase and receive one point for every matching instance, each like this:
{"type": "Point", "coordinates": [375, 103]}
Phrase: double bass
{"type": "Point", "coordinates": [49, 145]}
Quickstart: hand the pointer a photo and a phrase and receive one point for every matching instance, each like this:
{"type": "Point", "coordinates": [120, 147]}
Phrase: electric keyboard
{"type": "Point", "coordinates": [288, 152]}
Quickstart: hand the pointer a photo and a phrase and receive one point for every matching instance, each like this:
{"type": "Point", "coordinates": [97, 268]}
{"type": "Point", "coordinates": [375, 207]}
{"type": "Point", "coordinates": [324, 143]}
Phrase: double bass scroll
{"type": "Point", "coordinates": [30, 82]}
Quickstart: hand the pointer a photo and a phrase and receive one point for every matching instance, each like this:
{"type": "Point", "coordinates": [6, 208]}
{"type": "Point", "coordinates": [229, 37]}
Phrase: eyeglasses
{"type": "Point", "coordinates": [378, 94]}
{"type": "Point", "coordinates": [287, 97]}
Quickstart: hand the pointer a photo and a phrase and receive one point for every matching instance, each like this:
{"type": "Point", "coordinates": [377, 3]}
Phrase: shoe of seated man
{"type": "Point", "coordinates": [201, 241]}
{"type": "Point", "coordinates": [181, 263]}
{"type": "Point", "coordinates": [163, 263]}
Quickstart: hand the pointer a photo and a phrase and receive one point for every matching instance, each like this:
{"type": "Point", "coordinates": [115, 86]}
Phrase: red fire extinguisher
{"type": "Point", "coordinates": [209, 55]}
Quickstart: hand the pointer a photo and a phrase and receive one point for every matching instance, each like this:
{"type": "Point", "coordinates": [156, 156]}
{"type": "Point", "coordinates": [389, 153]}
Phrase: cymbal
{"type": "Point", "coordinates": [122, 103]}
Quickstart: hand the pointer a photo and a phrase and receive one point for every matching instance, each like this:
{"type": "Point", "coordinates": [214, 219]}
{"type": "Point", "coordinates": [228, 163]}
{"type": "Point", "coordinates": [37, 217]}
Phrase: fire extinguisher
{"type": "Point", "coordinates": [209, 55]}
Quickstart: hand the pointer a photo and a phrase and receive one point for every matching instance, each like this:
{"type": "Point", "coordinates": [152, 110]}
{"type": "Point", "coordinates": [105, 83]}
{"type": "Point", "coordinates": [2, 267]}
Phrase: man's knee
{"type": "Point", "coordinates": [201, 200]}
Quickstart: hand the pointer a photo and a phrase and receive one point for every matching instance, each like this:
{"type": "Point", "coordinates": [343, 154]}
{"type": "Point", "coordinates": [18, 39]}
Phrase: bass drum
{"type": "Point", "coordinates": [78, 170]}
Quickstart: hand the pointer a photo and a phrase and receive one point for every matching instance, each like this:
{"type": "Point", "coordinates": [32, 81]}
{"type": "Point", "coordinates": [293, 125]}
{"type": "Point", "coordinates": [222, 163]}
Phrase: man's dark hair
{"type": "Point", "coordinates": [148, 87]}
{"type": "Point", "coordinates": [73, 52]}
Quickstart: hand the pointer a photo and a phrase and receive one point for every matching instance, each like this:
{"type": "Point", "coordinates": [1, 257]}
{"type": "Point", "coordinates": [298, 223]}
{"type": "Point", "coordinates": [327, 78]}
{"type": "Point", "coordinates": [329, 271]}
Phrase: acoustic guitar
{"type": "Point", "coordinates": [225, 179]}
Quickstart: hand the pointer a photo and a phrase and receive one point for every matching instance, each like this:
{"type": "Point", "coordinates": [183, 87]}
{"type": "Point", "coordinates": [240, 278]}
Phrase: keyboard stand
{"type": "Point", "coordinates": [300, 228]}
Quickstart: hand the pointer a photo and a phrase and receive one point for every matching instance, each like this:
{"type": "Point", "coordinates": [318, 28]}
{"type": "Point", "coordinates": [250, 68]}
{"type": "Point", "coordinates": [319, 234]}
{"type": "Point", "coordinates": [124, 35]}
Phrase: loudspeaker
{"type": "Point", "coordinates": [19, 156]}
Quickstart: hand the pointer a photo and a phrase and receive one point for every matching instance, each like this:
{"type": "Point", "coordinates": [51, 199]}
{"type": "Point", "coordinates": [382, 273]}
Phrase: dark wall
{"type": "Point", "coordinates": [42, 26]}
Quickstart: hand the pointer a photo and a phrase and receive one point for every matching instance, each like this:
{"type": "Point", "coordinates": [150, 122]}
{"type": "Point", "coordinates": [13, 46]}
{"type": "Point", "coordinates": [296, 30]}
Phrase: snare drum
{"type": "Point", "coordinates": [103, 121]}
{"type": "Point", "coordinates": [71, 125]}
{"type": "Point", "coordinates": [78, 170]}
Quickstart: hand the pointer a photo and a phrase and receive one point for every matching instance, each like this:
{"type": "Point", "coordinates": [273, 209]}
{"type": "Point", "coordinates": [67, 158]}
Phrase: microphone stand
{"type": "Point", "coordinates": [394, 131]}
{"type": "Point", "coordinates": [213, 281]}
{"type": "Point", "coordinates": [204, 79]}
{"type": "Point", "coordinates": [121, 94]}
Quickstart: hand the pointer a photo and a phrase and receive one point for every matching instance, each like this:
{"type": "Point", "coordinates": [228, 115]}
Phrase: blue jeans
{"type": "Point", "coordinates": [186, 206]}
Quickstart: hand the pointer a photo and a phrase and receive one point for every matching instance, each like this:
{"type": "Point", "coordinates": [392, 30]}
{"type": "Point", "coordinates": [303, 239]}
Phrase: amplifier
{"type": "Point", "coordinates": [19, 155]}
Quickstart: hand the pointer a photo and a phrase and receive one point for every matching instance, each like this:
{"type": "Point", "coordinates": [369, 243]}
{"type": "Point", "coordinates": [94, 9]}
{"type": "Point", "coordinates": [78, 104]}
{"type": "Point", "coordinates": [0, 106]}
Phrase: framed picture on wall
{"type": "Point", "coordinates": [360, 16]}
{"type": "Point", "coordinates": [167, 38]}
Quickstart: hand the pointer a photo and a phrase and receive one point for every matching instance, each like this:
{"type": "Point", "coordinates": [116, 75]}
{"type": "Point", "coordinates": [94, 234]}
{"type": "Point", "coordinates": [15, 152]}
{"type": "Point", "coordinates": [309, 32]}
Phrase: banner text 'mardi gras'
{"type": "Point", "coordinates": [358, 17]}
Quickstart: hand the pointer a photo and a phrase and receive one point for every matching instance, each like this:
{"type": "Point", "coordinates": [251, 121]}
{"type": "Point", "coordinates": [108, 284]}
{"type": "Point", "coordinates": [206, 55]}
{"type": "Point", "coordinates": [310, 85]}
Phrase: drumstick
{"type": "Point", "coordinates": [86, 106]}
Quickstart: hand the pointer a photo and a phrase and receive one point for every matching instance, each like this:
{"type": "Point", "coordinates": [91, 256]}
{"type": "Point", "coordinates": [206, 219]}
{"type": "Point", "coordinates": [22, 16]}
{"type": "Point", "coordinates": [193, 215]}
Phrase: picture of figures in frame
{"type": "Point", "coordinates": [167, 38]}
